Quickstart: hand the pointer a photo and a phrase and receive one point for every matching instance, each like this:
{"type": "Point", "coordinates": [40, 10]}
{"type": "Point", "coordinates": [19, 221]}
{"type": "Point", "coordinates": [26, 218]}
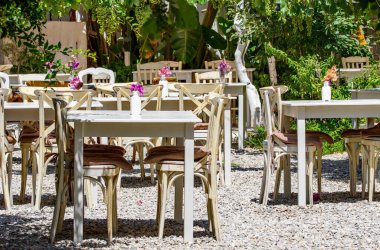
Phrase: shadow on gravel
{"type": "Point", "coordinates": [22, 233]}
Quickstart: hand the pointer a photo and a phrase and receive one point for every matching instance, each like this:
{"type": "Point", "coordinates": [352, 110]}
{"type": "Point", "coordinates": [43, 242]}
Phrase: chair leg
{"type": "Point", "coordinates": [114, 206]}
{"type": "Point", "coordinates": [109, 188]}
{"type": "Point", "coordinates": [319, 170]}
{"type": "Point", "coordinates": [24, 169]}
{"type": "Point", "coordinates": [5, 180]}
{"type": "Point", "coordinates": [215, 217]}
{"type": "Point", "coordinates": [140, 151]}
{"type": "Point", "coordinates": [34, 177]}
{"type": "Point", "coordinates": [265, 181]}
{"type": "Point", "coordinates": [159, 184]}
{"type": "Point", "coordinates": [287, 176]}
{"type": "Point", "coordinates": [371, 176]}
{"type": "Point", "coordinates": [309, 179]}
{"type": "Point", "coordinates": [365, 162]}
{"type": "Point", "coordinates": [9, 170]}
{"type": "Point", "coordinates": [278, 180]}
{"type": "Point", "coordinates": [88, 190]}
{"type": "Point", "coordinates": [40, 176]}
{"type": "Point", "coordinates": [152, 180]}
{"type": "Point", "coordinates": [164, 191]}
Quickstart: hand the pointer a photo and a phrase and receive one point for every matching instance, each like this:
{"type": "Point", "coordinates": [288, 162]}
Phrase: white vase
{"type": "Point", "coordinates": [165, 87]}
{"type": "Point", "coordinates": [326, 91]}
{"type": "Point", "coordinates": [135, 104]}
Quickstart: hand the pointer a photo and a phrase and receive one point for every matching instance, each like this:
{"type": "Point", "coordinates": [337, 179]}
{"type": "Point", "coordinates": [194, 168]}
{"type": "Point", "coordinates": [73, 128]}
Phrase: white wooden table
{"type": "Point", "coordinates": [186, 75]}
{"type": "Point", "coordinates": [29, 111]}
{"type": "Point", "coordinates": [107, 123]}
{"type": "Point", "coordinates": [302, 110]}
{"type": "Point", "coordinates": [171, 103]}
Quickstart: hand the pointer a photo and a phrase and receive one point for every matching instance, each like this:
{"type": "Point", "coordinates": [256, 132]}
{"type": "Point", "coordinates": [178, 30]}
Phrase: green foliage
{"type": "Point", "coordinates": [255, 139]}
{"type": "Point", "coordinates": [370, 79]}
{"type": "Point", "coordinates": [123, 73]}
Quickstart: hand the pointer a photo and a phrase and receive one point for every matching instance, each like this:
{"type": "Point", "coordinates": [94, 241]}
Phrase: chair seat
{"type": "Point", "coordinates": [102, 148]}
{"type": "Point", "coordinates": [172, 153]}
{"type": "Point", "coordinates": [201, 126]}
{"type": "Point", "coordinates": [288, 138]}
{"type": "Point", "coordinates": [348, 133]}
{"type": "Point", "coordinates": [106, 161]}
{"type": "Point", "coordinates": [324, 137]}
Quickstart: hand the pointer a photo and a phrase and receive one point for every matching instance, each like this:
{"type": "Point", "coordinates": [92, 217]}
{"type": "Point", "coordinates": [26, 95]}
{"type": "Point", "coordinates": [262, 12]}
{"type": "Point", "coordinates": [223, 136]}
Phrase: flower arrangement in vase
{"type": "Point", "coordinates": [223, 68]}
{"type": "Point", "coordinates": [135, 102]}
{"type": "Point", "coordinates": [163, 73]}
{"type": "Point", "coordinates": [330, 76]}
{"type": "Point", "coordinates": [72, 67]}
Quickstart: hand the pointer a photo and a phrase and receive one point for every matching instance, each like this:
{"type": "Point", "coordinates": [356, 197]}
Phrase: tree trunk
{"type": "Point", "coordinates": [208, 20]}
{"type": "Point", "coordinates": [253, 97]}
{"type": "Point", "coordinates": [272, 70]}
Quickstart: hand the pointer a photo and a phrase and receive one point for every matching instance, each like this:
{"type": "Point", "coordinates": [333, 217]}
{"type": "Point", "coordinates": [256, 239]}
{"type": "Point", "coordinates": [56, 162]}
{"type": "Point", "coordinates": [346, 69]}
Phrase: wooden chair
{"type": "Point", "coordinates": [211, 77]}
{"type": "Point", "coordinates": [44, 149]}
{"type": "Point", "coordinates": [278, 145]}
{"type": "Point", "coordinates": [169, 162]}
{"type": "Point", "coordinates": [6, 149]}
{"type": "Point", "coordinates": [150, 92]}
{"type": "Point", "coordinates": [146, 72]}
{"type": "Point", "coordinates": [213, 65]}
{"type": "Point", "coordinates": [173, 65]}
{"type": "Point", "coordinates": [100, 161]}
{"type": "Point", "coordinates": [355, 62]}
{"type": "Point", "coordinates": [323, 137]}
{"type": "Point", "coordinates": [4, 80]}
{"type": "Point", "coordinates": [99, 75]}
{"type": "Point", "coordinates": [6, 68]}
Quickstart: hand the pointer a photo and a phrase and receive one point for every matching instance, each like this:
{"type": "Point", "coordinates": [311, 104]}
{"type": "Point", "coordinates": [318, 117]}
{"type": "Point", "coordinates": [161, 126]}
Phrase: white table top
{"type": "Point", "coordinates": [317, 103]}
{"type": "Point", "coordinates": [35, 105]}
{"type": "Point", "coordinates": [124, 116]}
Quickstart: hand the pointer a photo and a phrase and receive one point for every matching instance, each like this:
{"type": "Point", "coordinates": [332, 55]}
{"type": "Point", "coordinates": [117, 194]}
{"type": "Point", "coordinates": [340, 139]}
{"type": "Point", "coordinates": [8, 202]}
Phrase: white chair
{"type": "Point", "coordinates": [4, 80]}
{"type": "Point", "coordinates": [211, 77]}
{"type": "Point", "coordinates": [355, 62]}
{"type": "Point", "coordinates": [146, 72]}
{"type": "Point", "coordinates": [213, 65]}
{"type": "Point", "coordinates": [173, 65]}
{"type": "Point", "coordinates": [99, 75]}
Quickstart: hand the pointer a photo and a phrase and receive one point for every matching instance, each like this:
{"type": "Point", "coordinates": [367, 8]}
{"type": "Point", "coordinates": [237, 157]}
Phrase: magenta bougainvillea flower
{"type": "Point", "coordinates": [165, 71]}
{"type": "Point", "coordinates": [137, 87]}
{"type": "Point", "coordinates": [224, 67]}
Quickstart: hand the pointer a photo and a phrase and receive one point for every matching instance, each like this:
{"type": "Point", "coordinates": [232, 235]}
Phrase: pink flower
{"type": "Point", "coordinates": [49, 64]}
{"type": "Point", "coordinates": [75, 82]}
{"type": "Point", "coordinates": [224, 67]}
{"type": "Point", "coordinates": [165, 71]}
{"type": "Point", "coordinates": [74, 64]}
{"type": "Point", "coordinates": [137, 87]}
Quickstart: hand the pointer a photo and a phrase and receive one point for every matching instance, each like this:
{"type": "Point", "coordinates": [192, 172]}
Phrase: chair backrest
{"type": "Point", "coordinates": [355, 62]}
{"type": "Point", "coordinates": [45, 97]}
{"type": "Point", "coordinates": [147, 71]}
{"type": "Point", "coordinates": [6, 68]}
{"type": "Point", "coordinates": [4, 80]}
{"type": "Point", "coordinates": [214, 64]}
{"type": "Point", "coordinates": [197, 93]}
{"type": "Point", "coordinates": [270, 110]}
{"type": "Point", "coordinates": [211, 77]}
{"type": "Point", "coordinates": [150, 92]}
{"type": "Point", "coordinates": [173, 65]}
{"type": "Point", "coordinates": [3, 142]}
{"type": "Point", "coordinates": [99, 75]}
{"type": "Point", "coordinates": [28, 92]}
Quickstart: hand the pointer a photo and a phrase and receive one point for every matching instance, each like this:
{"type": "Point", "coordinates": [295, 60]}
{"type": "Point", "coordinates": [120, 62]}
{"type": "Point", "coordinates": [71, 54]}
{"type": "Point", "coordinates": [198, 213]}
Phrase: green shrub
{"type": "Point", "coordinates": [255, 139]}
{"type": "Point", "coordinates": [123, 73]}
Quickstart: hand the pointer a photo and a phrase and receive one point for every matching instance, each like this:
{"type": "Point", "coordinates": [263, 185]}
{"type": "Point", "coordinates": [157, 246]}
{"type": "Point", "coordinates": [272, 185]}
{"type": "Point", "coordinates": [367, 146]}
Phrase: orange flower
{"type": "Point", "coordinates": [148, 54]}
{"type": "Point", "coordinates": [331, 74]}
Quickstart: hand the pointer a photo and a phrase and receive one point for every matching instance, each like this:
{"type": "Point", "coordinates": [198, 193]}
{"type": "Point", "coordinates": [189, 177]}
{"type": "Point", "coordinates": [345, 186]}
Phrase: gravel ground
{"type": "Point", "coordinates": [337, 221]}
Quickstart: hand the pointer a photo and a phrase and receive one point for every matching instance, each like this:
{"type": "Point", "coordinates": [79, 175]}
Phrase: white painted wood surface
{"type": "Point", "coordinates": [121, 123]}
{"type": "Point", "coordinates": [308, 109]}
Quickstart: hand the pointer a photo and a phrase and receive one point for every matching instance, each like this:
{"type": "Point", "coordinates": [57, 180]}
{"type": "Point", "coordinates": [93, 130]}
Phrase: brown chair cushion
{"type": "Point", "coordinates": [201, 126]}
{"type": "Point", "coordinates": [30, 134]}
{"type": "Point", "coordinates": [172, 153]}
{"type": "Point", "coordinates": [358, 132]}
{"type": "Point", "coordinates": [374, 132]}
{"type": "Point", "coordinates": [101, 148]}
{"type": "Point", "coordinates": [289, 138]}
{"type": "Point", "coordinates": [106, 159]}
{"type": "Point", "coordinates": [323, 136]}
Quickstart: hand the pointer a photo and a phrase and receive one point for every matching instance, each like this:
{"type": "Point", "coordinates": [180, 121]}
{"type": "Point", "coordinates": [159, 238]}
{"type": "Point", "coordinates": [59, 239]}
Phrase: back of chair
{"type": "Point", "coordinates": [99, 75]}
{"type": "Point", "coordinates": [173, 65]}
{"type": "Point", "coordinates": [211, 77]}
{"type": "Point", "coordinates": [22, 78]}
{"type": "Point", "coordinates": [147, 71]}
{"type": "Point", "coordinates": [355, 62]}
{"type": "Point", "coordinates": [197, 93]}
{"type": "Point", "coordinates": [3, 142]}
{"type": "Point", "coordinates": [150, 92]}
{"type": "Point", "coordinates": [4, 80]}
{"type": "Point", "coordinates": [214, 64]}
{"type": "Point", "coordinates": [270, 110]}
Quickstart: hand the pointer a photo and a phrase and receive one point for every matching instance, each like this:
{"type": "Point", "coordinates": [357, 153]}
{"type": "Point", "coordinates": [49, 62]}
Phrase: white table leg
{"type": "Point", "coordinates": [241, 127]}
{"type": "Point", "coordinates": [227, 144]}
{"type": "Point", "coordinates": [301, 162]}
{"type": "Point", "coordinates": [189, 183]}
{"type": "Point", "coordinates": [78, 183]}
